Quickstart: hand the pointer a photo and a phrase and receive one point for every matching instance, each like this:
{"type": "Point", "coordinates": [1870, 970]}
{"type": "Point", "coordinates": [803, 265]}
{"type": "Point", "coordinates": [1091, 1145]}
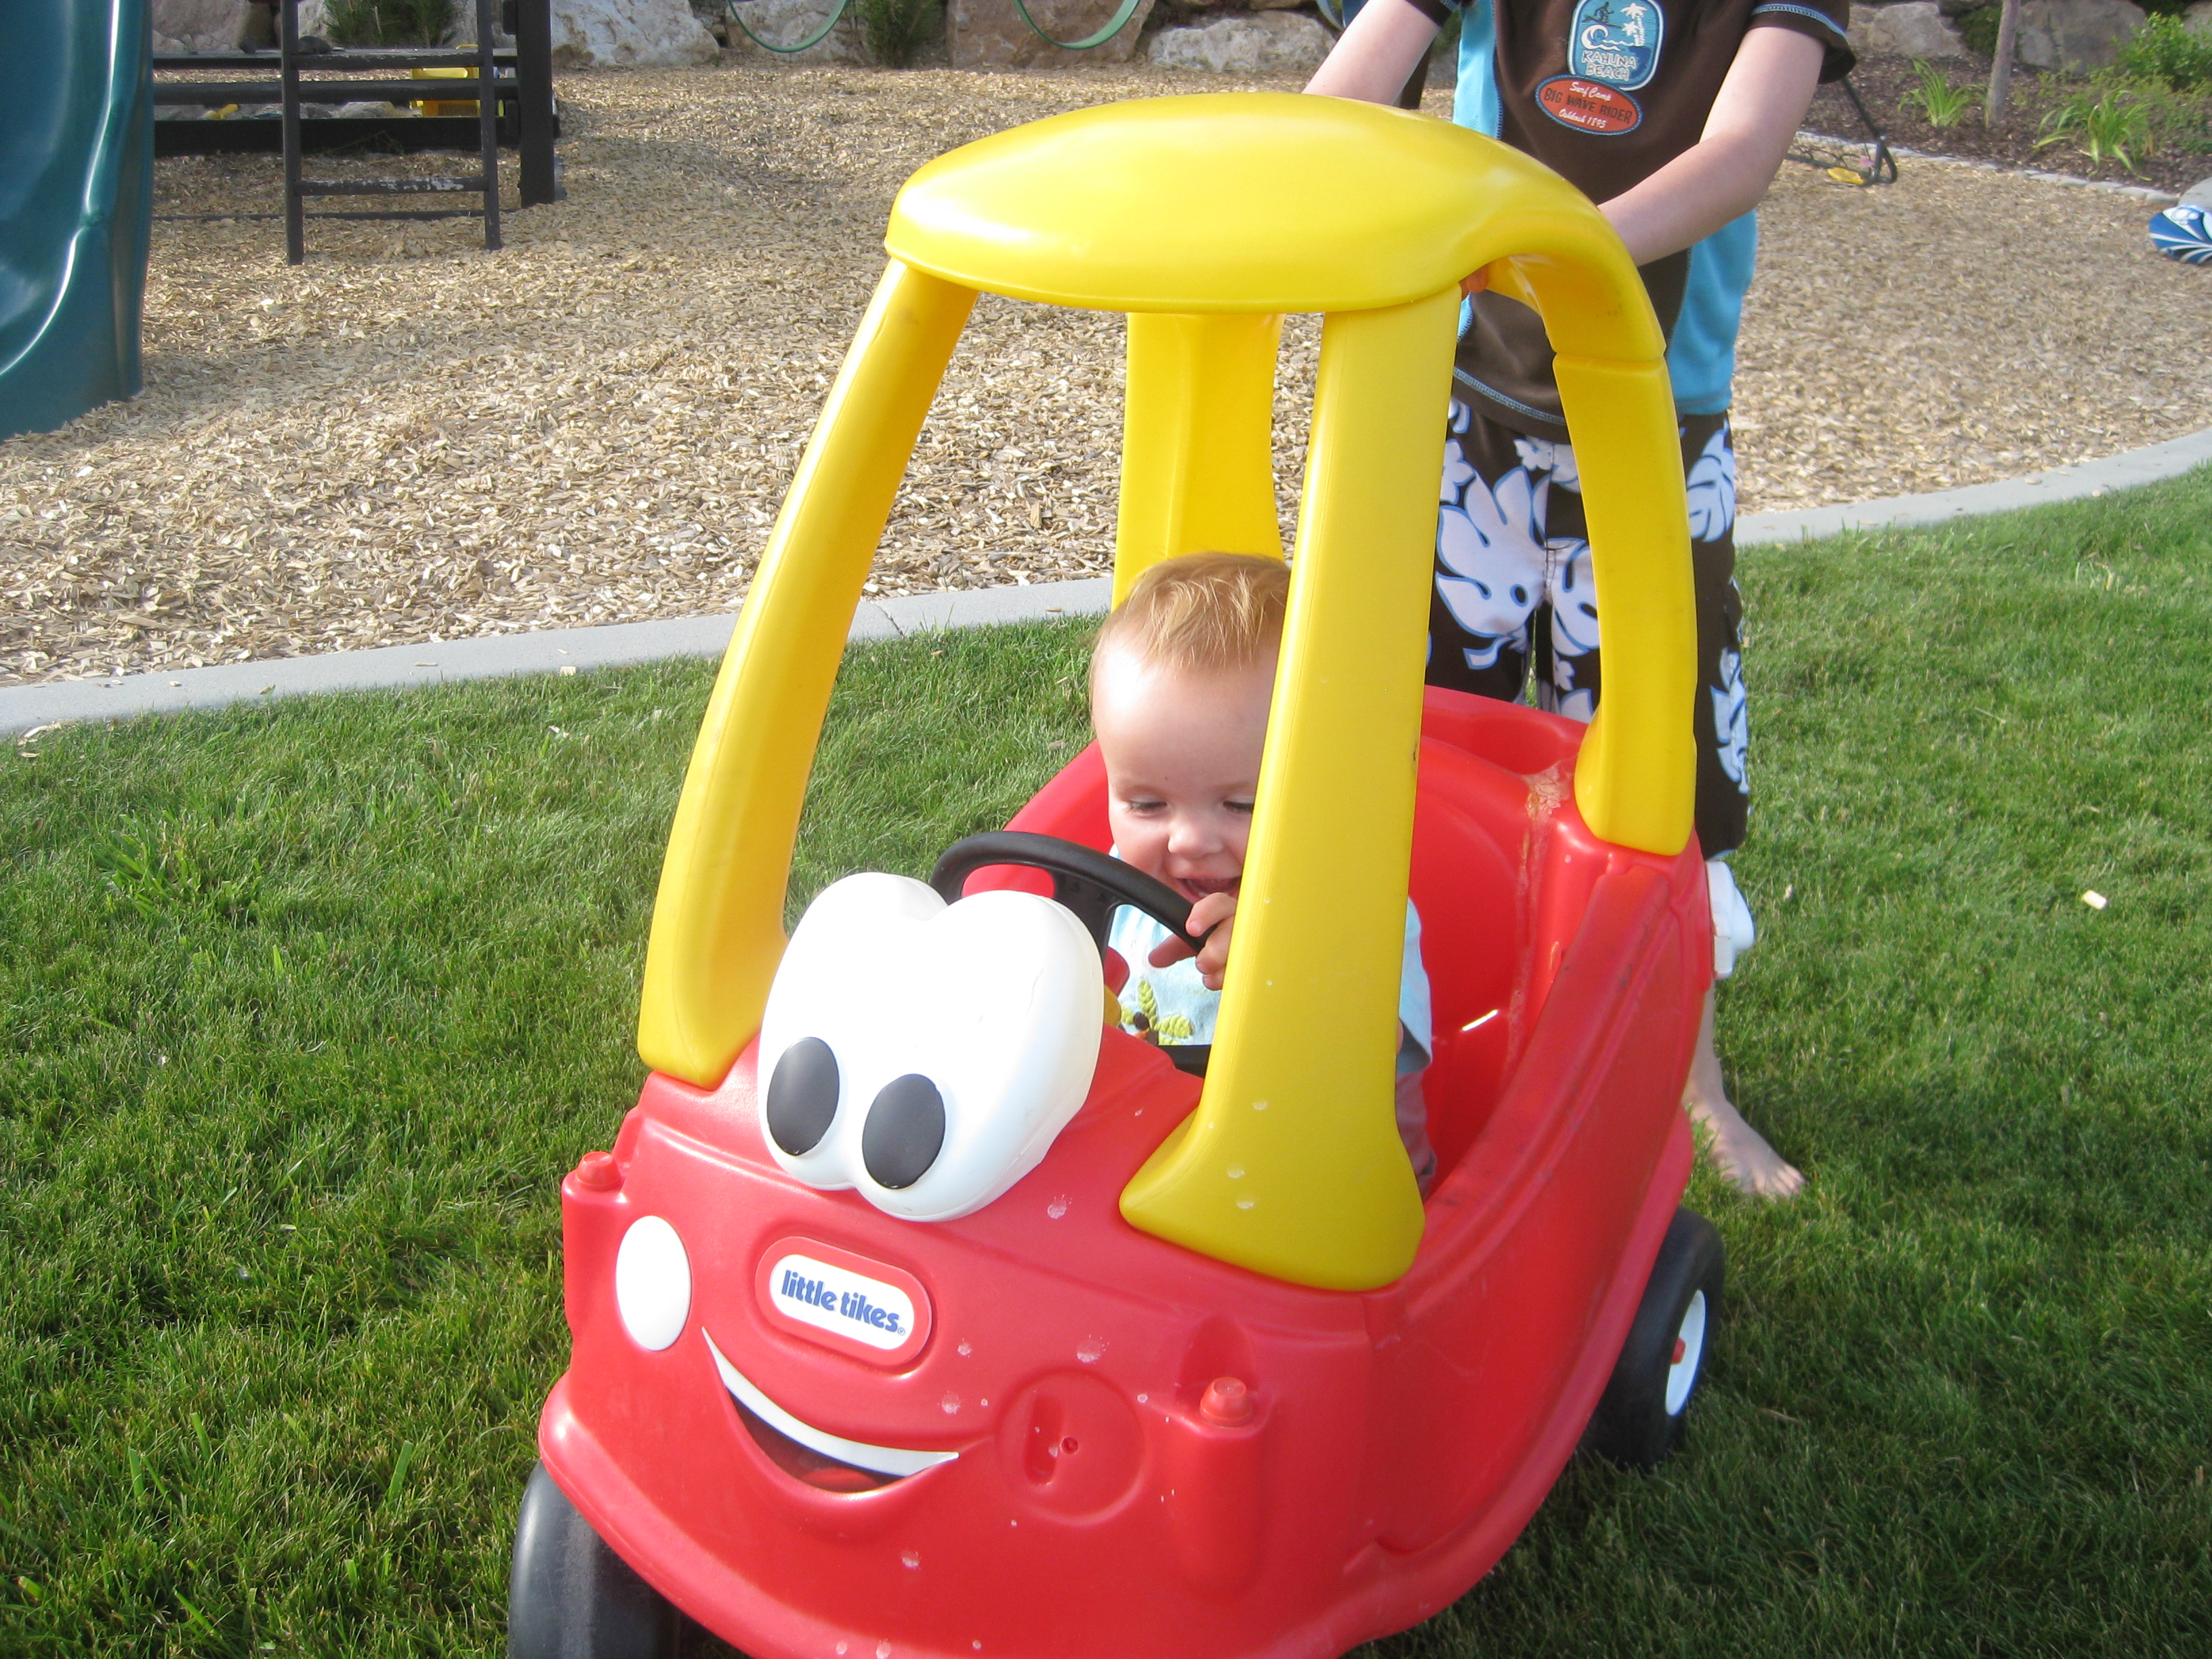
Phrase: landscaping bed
{"type": "Point", "coordinates": [2179, 123]}
{"type": "Point", "coordinates": [407, 440]}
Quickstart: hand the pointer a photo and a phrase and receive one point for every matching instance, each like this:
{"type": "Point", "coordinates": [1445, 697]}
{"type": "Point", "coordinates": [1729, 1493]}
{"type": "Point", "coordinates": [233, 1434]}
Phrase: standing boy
{"type": "Point", "coordinates": [1673, 116]}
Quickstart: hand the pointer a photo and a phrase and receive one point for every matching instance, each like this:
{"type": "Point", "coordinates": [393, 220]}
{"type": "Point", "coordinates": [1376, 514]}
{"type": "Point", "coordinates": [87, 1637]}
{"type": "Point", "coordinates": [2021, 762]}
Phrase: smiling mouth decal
{"type": "Point", "coordinates": [821, 1459]}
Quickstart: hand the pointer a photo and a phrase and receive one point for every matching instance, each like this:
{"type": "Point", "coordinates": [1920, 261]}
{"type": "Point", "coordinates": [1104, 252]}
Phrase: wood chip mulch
{"type": "Point", "coordinates": [407, 440]}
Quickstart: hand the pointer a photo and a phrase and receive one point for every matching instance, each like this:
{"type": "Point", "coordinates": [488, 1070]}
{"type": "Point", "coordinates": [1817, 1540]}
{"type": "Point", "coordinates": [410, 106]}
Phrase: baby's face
{"type": "Point", "coordinates": [1182, 763]}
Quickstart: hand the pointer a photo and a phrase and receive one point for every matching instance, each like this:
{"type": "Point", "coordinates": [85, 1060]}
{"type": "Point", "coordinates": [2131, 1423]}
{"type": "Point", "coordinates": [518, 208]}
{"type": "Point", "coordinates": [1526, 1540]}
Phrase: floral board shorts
{"type": "Point", "coordinates": [1514, 598]}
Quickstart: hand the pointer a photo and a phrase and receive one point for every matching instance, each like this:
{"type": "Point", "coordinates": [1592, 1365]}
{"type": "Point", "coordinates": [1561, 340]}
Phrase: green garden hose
{"type": "Point", "coordinates": [814, 40]}
{"type": "Point", "coordinates": [1113, 27]}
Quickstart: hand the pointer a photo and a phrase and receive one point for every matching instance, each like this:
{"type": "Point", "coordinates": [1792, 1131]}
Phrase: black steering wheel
{"type": "Point", "coordinates": [1089, 883]}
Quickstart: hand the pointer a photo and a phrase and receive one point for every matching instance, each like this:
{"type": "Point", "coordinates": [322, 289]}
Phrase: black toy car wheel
{"type": "Point", "coordinates": [1639, 1419]}
{"type": "Point", "coordinates": [568, 1596]}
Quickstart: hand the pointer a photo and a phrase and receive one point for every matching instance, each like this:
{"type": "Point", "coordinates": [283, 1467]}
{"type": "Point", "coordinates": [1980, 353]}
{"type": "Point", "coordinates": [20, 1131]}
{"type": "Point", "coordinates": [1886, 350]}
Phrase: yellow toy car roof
{"type": "Point", "coordinates": [1250, 202]}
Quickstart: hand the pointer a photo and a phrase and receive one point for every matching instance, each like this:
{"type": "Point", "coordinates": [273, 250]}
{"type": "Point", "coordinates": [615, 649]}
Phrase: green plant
{"type": "Point", "coordinates": [388, 22]}
{"type": "Point", "coordinates": [2115, 123]}
{"type": "Point", "coordinates": [164, 872]}
{"type": "Point", "coordinates": [2166, 51]}
{"type": "Point", "coordinates": [895, 30]}
{"type": "Point", "coordinates": [1944, 104]}
{"type": "Point", "coordinates": [1978, 28]}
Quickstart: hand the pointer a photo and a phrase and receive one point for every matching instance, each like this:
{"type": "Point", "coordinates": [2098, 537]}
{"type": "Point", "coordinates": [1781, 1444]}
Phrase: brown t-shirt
{"type": "Point", "coordinates": [1605, 93]}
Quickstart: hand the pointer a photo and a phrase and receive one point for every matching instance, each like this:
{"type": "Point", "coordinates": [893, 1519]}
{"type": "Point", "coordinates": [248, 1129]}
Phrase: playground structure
{"type": "Point", "coordinates": [487, 96]}
{"type": "Point", "coordinates": [77, 202]}
{"type": "Point", "coordinates": [77, 143]}
{"type": "Point", "coordinates": [1083, 1401]}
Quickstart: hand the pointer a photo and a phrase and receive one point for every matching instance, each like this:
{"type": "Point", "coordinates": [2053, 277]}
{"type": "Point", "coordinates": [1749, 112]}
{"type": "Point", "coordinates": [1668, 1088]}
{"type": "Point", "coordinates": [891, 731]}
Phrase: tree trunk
{"type": "Point", "coordinates": [2001, 71]}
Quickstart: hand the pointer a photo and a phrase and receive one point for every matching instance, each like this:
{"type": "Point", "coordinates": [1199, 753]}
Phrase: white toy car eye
{"type": "Point", "coordinates": [926, 1054]}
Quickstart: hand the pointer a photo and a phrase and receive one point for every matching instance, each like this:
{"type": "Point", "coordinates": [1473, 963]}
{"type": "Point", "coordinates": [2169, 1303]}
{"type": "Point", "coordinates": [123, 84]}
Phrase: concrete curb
{"type": "Point", "coordinates": [2065, 483]}
{"type": "Point", "coordinates": [618, 645]}
{"type": "Point", "coordinates": [28, 708]}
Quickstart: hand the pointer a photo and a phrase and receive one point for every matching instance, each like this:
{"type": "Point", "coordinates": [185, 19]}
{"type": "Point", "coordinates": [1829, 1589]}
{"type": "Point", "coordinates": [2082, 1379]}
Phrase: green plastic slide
{"type": "Point", "coordinates": [77, 197]}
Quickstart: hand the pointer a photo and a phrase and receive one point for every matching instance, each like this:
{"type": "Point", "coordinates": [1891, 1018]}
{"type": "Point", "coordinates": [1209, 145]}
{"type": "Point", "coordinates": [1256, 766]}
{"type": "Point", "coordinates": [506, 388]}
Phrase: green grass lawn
{"type": "Point", "coordinates": [307, 1007]}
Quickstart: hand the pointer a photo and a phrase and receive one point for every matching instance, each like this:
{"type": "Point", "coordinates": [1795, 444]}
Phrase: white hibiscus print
{"type": "Point", "coordinates": [1712, 490]}
{"type": "Point", "coordinates": [1495, 556]}
{"type": "Point", "coordinates": [1545, 455]}
{"type": "Point", "coordinates": [1574, 599]}
{"type": "Point", "coordinates": [1458, 474]}
{"type": "Point", "coordinates": [1572, 588]}
{"type": "Point", "coordinates": [1568, 698]}
{"type": "Point", "coordinates": [1731, 720]}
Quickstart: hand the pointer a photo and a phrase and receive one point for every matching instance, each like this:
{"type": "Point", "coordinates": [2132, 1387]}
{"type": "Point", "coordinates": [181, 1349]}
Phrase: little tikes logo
{"type": "Point", "coordinates": [829, 1294]}
{"type": "Point", "coordinates": [882, 1316]}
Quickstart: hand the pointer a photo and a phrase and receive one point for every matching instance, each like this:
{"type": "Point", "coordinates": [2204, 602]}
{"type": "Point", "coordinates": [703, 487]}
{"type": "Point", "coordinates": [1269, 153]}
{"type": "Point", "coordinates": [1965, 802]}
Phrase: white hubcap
{"type": "Point", "coordinates": [1689, 1349]}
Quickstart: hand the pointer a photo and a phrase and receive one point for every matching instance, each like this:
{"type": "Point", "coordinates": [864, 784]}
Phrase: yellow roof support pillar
{"type": "Point", "coordinates": [1296, 1122]}
{"type": "Point", "coordinates": [1197, 430]}
{"type": "Point", "coordinates": [718, 922]}
{"type": "Point", "coordinates": [1636, 781]}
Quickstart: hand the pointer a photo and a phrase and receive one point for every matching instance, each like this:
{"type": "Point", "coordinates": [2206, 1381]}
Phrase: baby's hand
{"type": "Point", "coordinates": [1217, 911]}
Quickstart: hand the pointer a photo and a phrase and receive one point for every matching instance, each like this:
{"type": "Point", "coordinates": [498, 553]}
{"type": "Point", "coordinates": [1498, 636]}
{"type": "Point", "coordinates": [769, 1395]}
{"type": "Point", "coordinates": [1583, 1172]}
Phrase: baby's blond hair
{"type": "Point", "coordinates": [1202, 613]}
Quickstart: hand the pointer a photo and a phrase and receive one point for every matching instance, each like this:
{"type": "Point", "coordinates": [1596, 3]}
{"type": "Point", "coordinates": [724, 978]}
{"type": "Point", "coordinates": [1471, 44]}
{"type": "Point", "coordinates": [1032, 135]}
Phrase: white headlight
{"type": "Point", "coordinates": [652, 1283]}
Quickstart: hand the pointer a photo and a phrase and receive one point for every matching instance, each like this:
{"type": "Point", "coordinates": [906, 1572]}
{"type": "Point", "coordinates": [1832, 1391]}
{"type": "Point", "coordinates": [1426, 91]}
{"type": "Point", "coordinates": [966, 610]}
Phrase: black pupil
{"type": "Point", "coordinates": [802, 1096]}
{"type": "Point", "coordinates": [904, 1133]}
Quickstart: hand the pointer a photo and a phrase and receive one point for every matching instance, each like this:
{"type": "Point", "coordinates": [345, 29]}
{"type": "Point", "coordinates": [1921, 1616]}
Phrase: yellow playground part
{"type": "Point", "coordinates": [1205, 219]}
{"type": "Point", "coordinates": [444, 106]}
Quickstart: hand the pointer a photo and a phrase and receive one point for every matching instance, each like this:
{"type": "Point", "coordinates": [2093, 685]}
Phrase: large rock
{"type": "Point", "coordinates": [1918, 29]}
{"type": "Point", "coordinates": [462, 32]}
{"type": "Point", "coordinates": [640, 33]}
{"type": "Point", "coordinates": [220, 25]}
{"type": "Point", "coordinates": [990, 34]}
{"type": "Point", "coordinates": [2197, 18]}
{"type": "Point", "coordinates": [225, 25]}
{"type": "Point", "coordinates": [785, 22]}
{"type": "Point", "coordinates": [636, 34]}
{"type": "Point", "coordinates": [2076, 35]}
{"type": "Point", "coordinates": [1271, 43]}
{"type": "Point", "coordinates": [198, 25]}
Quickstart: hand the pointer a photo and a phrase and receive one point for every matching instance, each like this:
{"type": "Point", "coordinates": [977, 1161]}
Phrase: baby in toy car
{"type": "Point", "coordinates": [1180, 684]}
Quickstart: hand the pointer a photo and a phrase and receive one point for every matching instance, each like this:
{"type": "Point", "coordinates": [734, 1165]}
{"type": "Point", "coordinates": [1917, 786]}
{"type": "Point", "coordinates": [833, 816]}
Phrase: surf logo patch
{"type": "Point", "coordinates": [1588, 106]}
{"type": "Point", "coordinates": [1616, 42]}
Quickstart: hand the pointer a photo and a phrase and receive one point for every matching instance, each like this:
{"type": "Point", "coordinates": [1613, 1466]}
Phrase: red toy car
{"type": "Point", "coordinates": [1151, 1452]}
{"type": "Point", "coordinates": [916, 1361]}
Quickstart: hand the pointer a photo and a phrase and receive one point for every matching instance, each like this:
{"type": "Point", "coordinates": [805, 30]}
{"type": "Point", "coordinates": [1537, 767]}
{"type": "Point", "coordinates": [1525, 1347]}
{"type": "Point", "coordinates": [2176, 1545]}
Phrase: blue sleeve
{"type": "Point", "coordinates": [1701, 353]}
{"type": "Point", "coordinates": [1475, 104]}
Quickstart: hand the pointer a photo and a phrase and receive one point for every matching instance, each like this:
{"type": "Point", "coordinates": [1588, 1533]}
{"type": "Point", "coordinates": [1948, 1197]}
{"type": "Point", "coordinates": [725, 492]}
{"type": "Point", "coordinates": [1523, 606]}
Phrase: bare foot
{"type": "Point", "coordinates": [1738, 1151]}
